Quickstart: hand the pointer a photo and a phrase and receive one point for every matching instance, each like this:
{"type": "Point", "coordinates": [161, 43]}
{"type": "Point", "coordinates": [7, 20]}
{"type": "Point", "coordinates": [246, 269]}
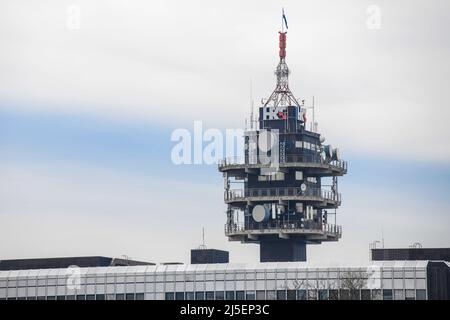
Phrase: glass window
{"type": "Point", "coordinates": [355, 294]}
{"type": "Point", "coordinates": [229, 276]}
{"type": "Point", "coordinates": [410, 295]}
{"type": "Point", "coordinates": [298, 144]}
{"type": "Point", "coordinates": [420, 274]}
{"type": "Point", "coordinates": [51, 298]}
{"type": "Point", "coordinates": [409, 274]}
{"type": "Point", "coordinates": [291, 295]}
{"type": "Point", "coordinates": [70, 298]}
{"type": "Point", "coordinates": [13, 283]}
{"type": "Point", "coordinates": [100, 297]}
{"type": "Point", "coordinates": [179, 296]}
{"type": "Point", "coordinates": [365, 294]}
{"type": "Point", "coordinates": [250, 295]}
{"type": "Point", "coordinates": [312, 294]}
{"type": "Point", "coordinates": [334, 294]}
{"type": "Point", "coordinates": [376, 294]}
{"type": "Point", "coordinates": [399, 295]}
{"type": "Point", "coordinates": [344, 294]}
{"type": "Point", "coordinates": [140, 296]}
{"type": "Point", "coordinates": [260, 295]}
{"type": "Point", "coordinates": [323, 294]}
{"type": "Point", "coordinates": [220, 276]}
{"type": "Point", "coordinates": [298, 175]}
{"type": "Point", "coordinates": [90, 297]}
{"type": "Point", "coordinates": [189, 296]}
{"type": "Point", "coordinates": [240, 295]}
{"type": "Point", "coordinates": [209, 295]}
{"type": "Point", "coordinates": [387, 294]}
{"type": "Point", "coordinates": [421, 283]}
{"type": "Point", "coordinates": [220, 295]}
{"type": "Point", "coordinates": [250, 276]}
{"type": "Point", "coordinates": [271, 295]}
{"type": "Point", "coordinates": [281, 294]}
{"type": "Point", "coordinates": [130, 296]}
{"type": "Point", "coordinates": [199, 296]}
{"type": "Point", "coordinates": [421, 294]}
{"type": "Point", "coordinates": [240, 276]}
{"type": "Point", "coordinates": [61, 298]}
{"type": "Point", "coordinates": [22, 283]}
{"type": "Point", "coordinates": [291, 275]}
{"type": "Point", "coordinates": [387, 274]}
{"type": "Point", "coordinates": [169, 296]}
{"type": "Point", "coordinates": [230, 295]}
{"type": "Point", "coordinates": [81, 297]}
{"type": "Point", "coordinates": [301, 294]}
{"type": "Point", "coordinates": [270, 275]}
{"type": "Point", "coordinates": [110, 296]}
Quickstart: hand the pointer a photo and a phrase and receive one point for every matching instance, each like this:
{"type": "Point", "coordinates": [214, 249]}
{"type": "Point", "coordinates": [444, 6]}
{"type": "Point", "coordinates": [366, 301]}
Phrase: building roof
{"type": "Point", "coordinates": [207, 268]}
{"type": "Point", "coordinates": [65, 262]}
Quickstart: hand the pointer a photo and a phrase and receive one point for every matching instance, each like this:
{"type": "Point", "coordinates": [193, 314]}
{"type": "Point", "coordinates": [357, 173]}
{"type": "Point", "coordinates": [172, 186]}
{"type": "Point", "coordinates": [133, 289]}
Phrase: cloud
{"type": "Point", "coordinates": [377, 91]}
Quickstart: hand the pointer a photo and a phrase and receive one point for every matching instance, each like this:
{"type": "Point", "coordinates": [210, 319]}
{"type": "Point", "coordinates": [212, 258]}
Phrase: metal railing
{"type": "Point", "coordinates": [290, 158]}
{"type": "Point", "coordinates": [236, 228]}
{"type": "Point", "coordinates": [240, 194]}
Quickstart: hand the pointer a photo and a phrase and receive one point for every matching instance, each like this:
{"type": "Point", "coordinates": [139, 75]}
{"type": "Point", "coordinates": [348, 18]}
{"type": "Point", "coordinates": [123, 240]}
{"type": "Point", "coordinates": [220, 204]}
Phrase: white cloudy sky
{"type": "Point", "coordinates": [380, 94]}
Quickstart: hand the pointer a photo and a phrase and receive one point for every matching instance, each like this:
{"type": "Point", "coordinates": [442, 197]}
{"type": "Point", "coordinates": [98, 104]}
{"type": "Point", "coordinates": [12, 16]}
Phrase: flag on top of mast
{"type": "Point", "coordinates": [284, 19]}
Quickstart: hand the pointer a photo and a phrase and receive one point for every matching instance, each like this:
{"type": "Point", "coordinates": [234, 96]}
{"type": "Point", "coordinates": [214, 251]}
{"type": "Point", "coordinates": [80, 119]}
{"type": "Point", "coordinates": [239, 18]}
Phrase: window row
{"type": "Point", "coordinates": [385, 274]}
{"type": "Point", "coordinates": [321, 294]}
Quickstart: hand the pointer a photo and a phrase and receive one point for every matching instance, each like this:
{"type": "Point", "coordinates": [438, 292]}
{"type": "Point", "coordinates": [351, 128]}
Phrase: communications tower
{"type": "Point", "coordinates": [282, 194]}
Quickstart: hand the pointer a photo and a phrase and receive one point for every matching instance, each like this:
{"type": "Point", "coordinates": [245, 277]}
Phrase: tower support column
{"type": "Point", "coordinates": [277, 250]}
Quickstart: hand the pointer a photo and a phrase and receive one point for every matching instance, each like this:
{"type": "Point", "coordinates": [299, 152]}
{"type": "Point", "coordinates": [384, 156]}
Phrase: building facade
{"type": "Point", "coordinates": [384, 280]}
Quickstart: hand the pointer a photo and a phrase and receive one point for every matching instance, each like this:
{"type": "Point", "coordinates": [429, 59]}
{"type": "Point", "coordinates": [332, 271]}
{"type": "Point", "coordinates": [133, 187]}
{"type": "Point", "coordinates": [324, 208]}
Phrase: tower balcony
{"type": "Point", "coordinates": [314, 162]}
{"type": "Point", "coordinates": [308, 230]}
{"type": "Point", "coordinates": [322, 198]}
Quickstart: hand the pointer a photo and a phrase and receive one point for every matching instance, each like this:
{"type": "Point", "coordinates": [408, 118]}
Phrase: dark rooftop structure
{"type": "Point", "coordinates": [200, 256]}
{"type": "Point", "coordinates": [440, 254]}
{"type": "Point", "coordinates": [65, 262]}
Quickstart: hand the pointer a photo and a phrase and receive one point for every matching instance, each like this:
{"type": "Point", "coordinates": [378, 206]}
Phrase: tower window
{"type": "Point", "coordinates": [279, 176]}
{"type": "Point", "coordinates": [298, 175]}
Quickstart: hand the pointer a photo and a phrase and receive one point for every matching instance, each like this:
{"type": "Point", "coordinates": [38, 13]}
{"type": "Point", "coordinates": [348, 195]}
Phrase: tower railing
{"type": "Point", "coordinates": [239, 228]}
{"type": "Point", "coordinates": [290, 158]}
{"type": "Point", "coordinates": [241, 194]}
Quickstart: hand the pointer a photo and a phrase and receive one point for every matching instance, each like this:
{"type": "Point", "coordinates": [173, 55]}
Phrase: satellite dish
{"type": "Point", "coordinates": [260, 213]}
{"type": "Point", "coordinates": [303, 187]}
